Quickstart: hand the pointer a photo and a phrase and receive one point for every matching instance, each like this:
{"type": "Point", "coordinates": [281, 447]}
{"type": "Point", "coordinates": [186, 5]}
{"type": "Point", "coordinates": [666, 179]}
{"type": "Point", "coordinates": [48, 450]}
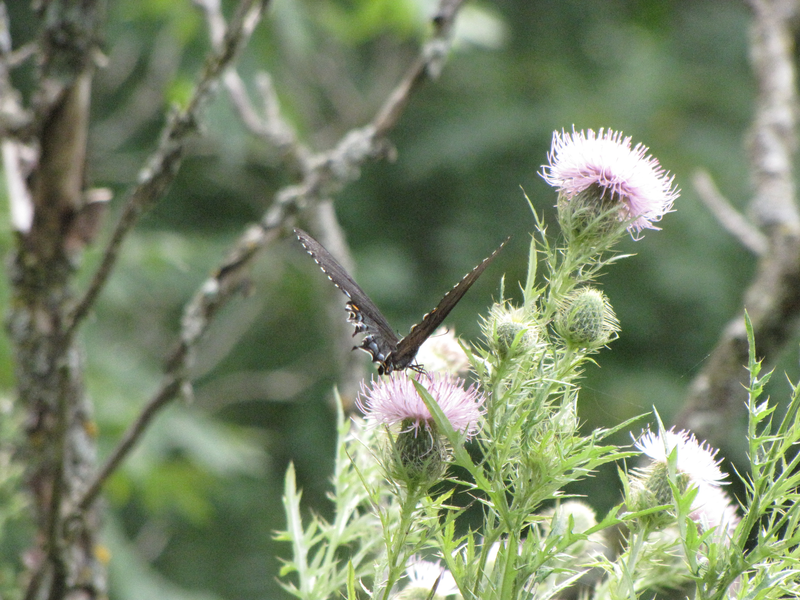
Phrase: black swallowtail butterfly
{"type": "Point", "coordinates": [381, 342]}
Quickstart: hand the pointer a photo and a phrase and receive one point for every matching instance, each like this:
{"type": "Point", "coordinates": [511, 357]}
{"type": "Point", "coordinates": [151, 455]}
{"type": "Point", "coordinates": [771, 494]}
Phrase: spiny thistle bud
{"type": "Point", "coordinates": [510, 332]}
{"type": "Point", "coordinates": [650, 488]}
{"type": "Point", "coordinates": [585, 319]}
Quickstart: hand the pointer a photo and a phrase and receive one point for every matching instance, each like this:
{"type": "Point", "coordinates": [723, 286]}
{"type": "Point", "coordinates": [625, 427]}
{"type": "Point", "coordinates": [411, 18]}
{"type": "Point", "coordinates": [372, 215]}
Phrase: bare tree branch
{"type": "Point", "coordinates": [168, 390]}
{"type": "Point", "coordinates": [270, 127]}
{"type": "Point", "coordinates": [298, 159]}
{"type": "Point", "coordinates": [773, 142]}
{"type": "Point", "coordinates": [727, 216]}
{"type": "Point", "coordinates": [161, 170]}
{"type": "Point", "coordinates": [55, 216]}
{"type": "Point", "coordinates": [773, 299]}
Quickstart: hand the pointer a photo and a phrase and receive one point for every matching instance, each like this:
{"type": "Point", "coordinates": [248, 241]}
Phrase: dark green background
{"type": "Point", "coordinates": [194, 511]}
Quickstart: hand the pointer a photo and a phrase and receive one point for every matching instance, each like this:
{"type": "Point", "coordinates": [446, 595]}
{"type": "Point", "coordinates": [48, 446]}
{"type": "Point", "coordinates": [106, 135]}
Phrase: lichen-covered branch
{"type": "Point", "coordinates": [45, 163]}
{"type": "Point", "coordinates": [773, 299]}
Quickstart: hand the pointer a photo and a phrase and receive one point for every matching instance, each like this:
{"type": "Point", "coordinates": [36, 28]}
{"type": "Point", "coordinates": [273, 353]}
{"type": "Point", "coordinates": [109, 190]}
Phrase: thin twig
{"type": "Point", "coordinates": [428, 66]}
{"type": "Point", "coordinates": [55, 551]}
{"type": "Point", "coordinates": [18, 57]}
{"type": "Point", "coordinates": [167, 392]}
{"type": "Point", "coordinates": [155, 177]}
{"type": "Point", "coordinates": [271, 127]}
{"type": "Point", "coordinates": [730, 218]}
{"type": "Point", "coordinates": [296, 157]}
{"type": "Point", "coordinates": [328, 171]}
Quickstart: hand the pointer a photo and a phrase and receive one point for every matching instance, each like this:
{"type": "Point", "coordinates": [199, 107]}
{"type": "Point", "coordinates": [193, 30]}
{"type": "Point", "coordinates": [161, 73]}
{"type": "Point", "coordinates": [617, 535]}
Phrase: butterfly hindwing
{"type": "Point", "coordinates": [381, 342]}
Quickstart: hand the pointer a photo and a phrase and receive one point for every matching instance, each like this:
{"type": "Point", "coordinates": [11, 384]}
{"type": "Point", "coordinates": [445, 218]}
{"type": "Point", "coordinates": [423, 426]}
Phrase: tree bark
{"type": "Point", "coordinates": [61, 449]}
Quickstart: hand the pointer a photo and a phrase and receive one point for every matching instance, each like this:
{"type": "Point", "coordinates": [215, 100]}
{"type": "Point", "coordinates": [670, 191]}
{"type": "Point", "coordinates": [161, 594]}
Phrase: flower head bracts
{"type": "Point", "coordinates": [579, 160]}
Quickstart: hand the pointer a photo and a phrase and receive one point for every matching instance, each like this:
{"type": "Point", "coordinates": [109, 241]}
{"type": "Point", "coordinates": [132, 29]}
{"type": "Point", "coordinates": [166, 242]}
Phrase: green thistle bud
{"type": "Point", "coordinates": [650, 488]}
{"type": "Point", "coordinates": [586, 320]}
{"type": "Point", "coordinates": [510, 332]}
{"type": "Point", "coordinates": [419, 454]}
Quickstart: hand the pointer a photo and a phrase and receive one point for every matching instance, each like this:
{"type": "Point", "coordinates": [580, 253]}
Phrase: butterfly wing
{"type": "Point", "coordinates": [407, 348]}
{"type": "Point", "coordinates": [381, 340]}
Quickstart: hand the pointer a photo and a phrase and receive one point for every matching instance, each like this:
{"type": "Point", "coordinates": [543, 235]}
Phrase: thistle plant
{"type": "Point", "coordinates": [509, 441]}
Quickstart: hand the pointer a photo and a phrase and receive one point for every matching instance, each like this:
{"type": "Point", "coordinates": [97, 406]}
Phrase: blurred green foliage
{"type": "Point", "coordinates": [196, 507]}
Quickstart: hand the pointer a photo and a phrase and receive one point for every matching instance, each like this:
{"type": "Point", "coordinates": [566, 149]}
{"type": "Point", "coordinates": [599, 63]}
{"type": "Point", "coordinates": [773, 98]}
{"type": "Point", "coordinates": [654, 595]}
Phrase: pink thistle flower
{"type": "Point", "coordinates": [395, 400]}
{"type": "Point", "coordinates": [580, 160]}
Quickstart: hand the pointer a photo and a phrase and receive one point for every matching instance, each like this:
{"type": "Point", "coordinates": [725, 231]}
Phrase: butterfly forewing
{"type": "Point", "coordinates": [408, 347]}
{"type": "Point", "coordinates": [381, 339]}
{"type": "Point", "coordinates": [390, 352]}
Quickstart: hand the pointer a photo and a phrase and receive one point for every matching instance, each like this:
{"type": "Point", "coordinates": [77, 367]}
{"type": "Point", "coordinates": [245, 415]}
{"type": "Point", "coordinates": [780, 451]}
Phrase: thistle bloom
{"type": "Point", "coordinates": [396, 401]}
{"type": "Point", "coordinates": [606, 160]}
{"type": "Point", "coordinates": [697, 462]}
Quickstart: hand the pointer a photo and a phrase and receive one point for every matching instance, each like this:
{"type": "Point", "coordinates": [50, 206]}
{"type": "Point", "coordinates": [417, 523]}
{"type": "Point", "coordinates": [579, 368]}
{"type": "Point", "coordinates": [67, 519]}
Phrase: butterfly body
{"type": "Point", "coordinates": [389, 351]}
